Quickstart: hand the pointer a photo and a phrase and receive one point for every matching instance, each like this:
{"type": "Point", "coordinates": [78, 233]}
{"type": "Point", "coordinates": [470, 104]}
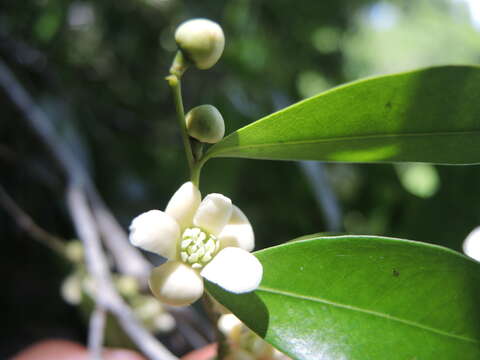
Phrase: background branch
{"type": "Point", "coordinates": [96, 332]}
{"type": "Point", "coordinates": [105, 293]}
{"type": "Point", "coordinates": [26, 223]}
{"type": "Point", "coordinates": [116, 240]}
{"type": "Point", "coordinates": [79, 186]}
{"type": "Point", "coordinates": [128, 259]}
{"type": "Point", "coordinates": [315, 173]}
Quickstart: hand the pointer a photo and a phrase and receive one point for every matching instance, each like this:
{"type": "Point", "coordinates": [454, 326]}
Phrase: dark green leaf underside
{"type": "Point", "coordinates": [430, 115]}
{"type": "Point", "coordinates": [360, 297]}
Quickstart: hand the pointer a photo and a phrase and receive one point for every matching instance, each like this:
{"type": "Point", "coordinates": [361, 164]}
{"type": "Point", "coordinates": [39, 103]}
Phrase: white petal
{"type": "Point", "coordinates": [235, 270]}
{"type": "Point", "coordinates": [183, 204]}
{"type": "Point", "coordinates": [157, 232]}
{"type": "Point", "coordinates": [213, 213]}
{"type": "Point", "coordinates": [176, 283]}
{"type": "Point", "coordinates": [238, 232]}
{"type": "Point", "coordinates": [471, 245]}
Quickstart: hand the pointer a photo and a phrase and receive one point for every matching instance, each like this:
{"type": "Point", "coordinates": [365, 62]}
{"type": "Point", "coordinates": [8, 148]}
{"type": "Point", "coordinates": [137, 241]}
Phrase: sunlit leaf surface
{"type": "Point", "coordinates": [429, 115]}
{"type": "Point", "coordinates": [364, 297]}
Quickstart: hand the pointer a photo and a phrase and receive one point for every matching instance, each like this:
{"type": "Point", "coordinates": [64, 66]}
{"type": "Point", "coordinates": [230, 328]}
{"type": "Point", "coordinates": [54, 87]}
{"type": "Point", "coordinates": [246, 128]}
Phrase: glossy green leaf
{"type": "Point", "coordinates": [364, 297]}
{"type": "Point", "coordinates": [430, 115]}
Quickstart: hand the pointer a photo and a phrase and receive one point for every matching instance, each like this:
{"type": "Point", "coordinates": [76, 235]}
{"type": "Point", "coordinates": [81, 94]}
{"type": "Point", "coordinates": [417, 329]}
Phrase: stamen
{"type": "Point", "coordinates": [198, 247]}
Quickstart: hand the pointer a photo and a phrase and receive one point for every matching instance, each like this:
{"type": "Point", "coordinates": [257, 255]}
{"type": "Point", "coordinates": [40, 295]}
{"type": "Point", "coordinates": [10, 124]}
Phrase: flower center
{"type": "Point", "coordinates": [198, 247]}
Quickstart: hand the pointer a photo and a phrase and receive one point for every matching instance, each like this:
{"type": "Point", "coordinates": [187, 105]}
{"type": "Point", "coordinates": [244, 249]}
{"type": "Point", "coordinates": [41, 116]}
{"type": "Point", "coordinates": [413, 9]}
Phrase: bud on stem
{"type": "Point", "coordinates": [201, 42]}
{"type": "Point", "coordinates": [205, 123]}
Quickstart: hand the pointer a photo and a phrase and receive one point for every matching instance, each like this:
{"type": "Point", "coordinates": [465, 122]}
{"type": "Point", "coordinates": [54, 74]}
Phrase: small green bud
{"type": "Point", "coordinates": [74, 251]}
{"type": "Point", "coordinates": [127, 285]}
{"type": "Point", "coordinates": [205, 123]}
{"type": "Point", "coordinates": [202, 42]}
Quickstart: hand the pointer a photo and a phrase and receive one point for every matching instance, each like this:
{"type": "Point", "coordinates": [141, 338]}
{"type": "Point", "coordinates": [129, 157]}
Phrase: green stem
{"type": "Point", "coordinates": [175, 85]}
{"type": "Point", "coordinates": [195, 174]}
{"type": "Point", "coordinates": [179, 65]}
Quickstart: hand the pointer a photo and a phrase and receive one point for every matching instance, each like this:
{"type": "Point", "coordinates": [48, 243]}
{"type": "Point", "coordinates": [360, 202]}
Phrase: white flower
{"type": "Point", "coordinates": [471, 244]}
{"type": "Point", "coordinates": [210, 238]}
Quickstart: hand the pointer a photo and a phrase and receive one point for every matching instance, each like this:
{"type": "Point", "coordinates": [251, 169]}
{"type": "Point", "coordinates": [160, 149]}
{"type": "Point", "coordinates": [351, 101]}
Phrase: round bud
{"type": "Point", "coordinates": [74, 251]}
{"type": "Point", "coordinates": [202, 42]}
{"type": "Point", "coordinates": [127, 285]}
{"type": "Point", "coordinates": [205, 123]}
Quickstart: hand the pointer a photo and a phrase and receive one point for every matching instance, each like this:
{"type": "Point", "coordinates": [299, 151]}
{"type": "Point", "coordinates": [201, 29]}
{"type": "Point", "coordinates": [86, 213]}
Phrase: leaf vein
{"type": "Point", "coordinates": [343, 138]}
{"type": "Point", "coordinates": [366, 311]}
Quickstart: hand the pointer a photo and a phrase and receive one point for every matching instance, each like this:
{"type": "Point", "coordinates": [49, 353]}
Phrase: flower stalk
{"type": "Point", "coordinates": [211, 238]}
{"type": "Point", "coordinates": [174, 81]}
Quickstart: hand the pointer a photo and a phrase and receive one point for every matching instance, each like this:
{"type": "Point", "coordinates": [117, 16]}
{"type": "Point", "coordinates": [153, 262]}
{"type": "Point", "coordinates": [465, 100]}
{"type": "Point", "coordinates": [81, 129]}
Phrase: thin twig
{"type": "Point", "coordinates": [129, 260]}
{"type": "Point", "coordinates": [188, 315]}
{"type": "Point", "coordinates": [83, 219]}
{"type": "Point", "coordinates": [96, 333]}
{"type": "Point", "coordinates": [315, 173]}
{"type": "Point", "coordinates": [26, 223]}
{"type": "Point", "coordinates": [116, 240]}
{"type": "Point", "coordinates": [195, 340]}
{"type": "Point", "coordinates": [105, 294]}
{"type": "Point", "coordinates": [23, 53]}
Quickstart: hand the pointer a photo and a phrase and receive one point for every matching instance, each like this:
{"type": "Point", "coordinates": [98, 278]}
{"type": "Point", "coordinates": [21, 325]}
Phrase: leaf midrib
{"type": "Point", "coordinates": [343, 138]}
{"type": "Point", "coordinates": [366, 311]}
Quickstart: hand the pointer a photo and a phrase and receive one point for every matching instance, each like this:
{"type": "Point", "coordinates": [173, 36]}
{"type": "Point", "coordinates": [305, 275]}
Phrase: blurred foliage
{"type": "Point", "coordinates": [97, 69]}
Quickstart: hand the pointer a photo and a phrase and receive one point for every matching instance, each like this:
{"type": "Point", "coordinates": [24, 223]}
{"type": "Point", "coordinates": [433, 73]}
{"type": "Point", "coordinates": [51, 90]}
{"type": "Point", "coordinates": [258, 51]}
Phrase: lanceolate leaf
{"type": "Point", "coordinates": [429, 115]}
{"type": "Point", "coordinates": [364, 297]}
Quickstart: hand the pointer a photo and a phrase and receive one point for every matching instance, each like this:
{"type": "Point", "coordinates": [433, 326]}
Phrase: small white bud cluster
{"type": "Point", "coordinates": [197, 247]}
{"type": "Point", "coordinates": [79, 289]}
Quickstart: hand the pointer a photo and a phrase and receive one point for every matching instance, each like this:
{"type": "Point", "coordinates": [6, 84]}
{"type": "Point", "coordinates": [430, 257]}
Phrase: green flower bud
{"type": "Point", "coordinates": [74, 251]}
{"type": "Point", "coordinates": [127, 285]}
{"type": "Point", "coordinates": [205, 123]}
{"type": "Point", "coordinates": [202, 42]}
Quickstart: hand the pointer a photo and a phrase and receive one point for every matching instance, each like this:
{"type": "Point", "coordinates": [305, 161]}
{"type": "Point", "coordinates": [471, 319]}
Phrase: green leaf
{"type": "Point", "coordinates": [430, 115]}
{"type": "Point", "coordinates": [364, 297]}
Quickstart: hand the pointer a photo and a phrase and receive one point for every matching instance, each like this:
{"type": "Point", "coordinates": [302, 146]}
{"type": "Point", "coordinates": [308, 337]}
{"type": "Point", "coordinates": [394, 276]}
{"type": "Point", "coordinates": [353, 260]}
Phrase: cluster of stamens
{"type": "Point", "coordinates": [198, 247]}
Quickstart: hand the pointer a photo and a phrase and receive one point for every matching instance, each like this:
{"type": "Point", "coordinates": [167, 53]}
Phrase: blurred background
{"type": "Point", "coordinates": [97, 70]}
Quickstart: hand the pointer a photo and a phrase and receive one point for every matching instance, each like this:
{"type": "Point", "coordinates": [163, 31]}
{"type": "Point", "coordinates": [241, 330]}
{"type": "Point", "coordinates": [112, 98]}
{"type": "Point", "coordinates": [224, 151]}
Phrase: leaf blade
{"type": "Point", "coordinates": [429, 115]}
{"type": "Point", "coordinates": [364, 306]}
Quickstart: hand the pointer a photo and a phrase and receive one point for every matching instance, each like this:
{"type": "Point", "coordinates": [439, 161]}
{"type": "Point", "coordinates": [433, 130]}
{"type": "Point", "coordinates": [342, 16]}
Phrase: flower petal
{"type": "Point", "coordinates": [238, 232]}
{"type": "Point", "coordinates": [471, 245]}
{"type": "Point", "coordinates": [235, 270]}
{"type": "Point", "coordinates": [176, 283]}
{"type": "Point", "coordinates": [157, 232]}
{"type": "Point", "coordinates": [183, 204]}
{"type": "Point", "coordinates": [213, 213]}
